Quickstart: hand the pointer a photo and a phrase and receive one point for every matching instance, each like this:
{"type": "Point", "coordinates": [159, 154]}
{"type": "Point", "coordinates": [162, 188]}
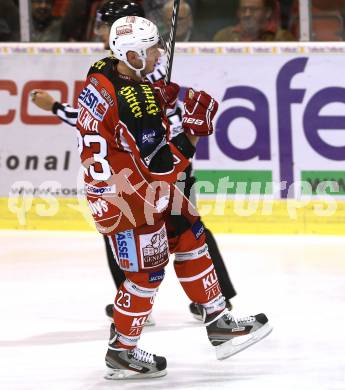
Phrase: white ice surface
{"type": "Point", "coordinates": [53, 331]}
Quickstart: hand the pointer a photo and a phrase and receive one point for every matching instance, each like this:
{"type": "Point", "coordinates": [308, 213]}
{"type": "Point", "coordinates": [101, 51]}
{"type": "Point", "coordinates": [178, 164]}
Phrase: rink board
{"type": "Point", "coordinates": [281, 119]}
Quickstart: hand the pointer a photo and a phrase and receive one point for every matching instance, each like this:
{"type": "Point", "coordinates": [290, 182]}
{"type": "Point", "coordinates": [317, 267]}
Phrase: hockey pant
{"type": "Point", "coordinates": [225, 283]}
{"type": "Point", "coordinates": [180, 225]}
{"type": "Point", "coordinates": [145, 247]}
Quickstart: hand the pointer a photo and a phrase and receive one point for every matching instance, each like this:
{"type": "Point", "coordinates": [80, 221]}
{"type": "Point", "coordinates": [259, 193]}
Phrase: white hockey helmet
{"type": "Point", "coordinates": [133, 33]}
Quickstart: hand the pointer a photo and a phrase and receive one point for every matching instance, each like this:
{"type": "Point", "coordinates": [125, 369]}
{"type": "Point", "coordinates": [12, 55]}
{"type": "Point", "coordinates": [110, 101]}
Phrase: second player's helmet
{"type": "Point", "coordinates": [133, 33]}
{"type": "Point", "coordinates": [110, 11]}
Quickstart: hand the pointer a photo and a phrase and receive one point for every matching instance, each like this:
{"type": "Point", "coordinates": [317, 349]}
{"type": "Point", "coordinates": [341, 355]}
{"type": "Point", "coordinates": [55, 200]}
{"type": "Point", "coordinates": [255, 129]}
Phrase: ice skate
{"type": "Point", "coordinates": [197, 309]}
{"type": "Point", "coordinates": [109, 311]}
{"type": "Point", "coordinates": [230, 335]}
{"type": "Point", "coordinates": [132, 364]}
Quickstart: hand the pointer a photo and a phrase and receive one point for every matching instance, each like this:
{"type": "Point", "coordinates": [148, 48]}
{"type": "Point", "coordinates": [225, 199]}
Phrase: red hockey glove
{"type": "Point", "coordinates": [166, 93]}
{"type": "Point", "coordinates": [200, 109]}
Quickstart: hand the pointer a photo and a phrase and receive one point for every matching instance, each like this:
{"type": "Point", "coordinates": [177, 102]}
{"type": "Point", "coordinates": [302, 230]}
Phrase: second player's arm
{"type": "Point", "coordinates": [64, 111]}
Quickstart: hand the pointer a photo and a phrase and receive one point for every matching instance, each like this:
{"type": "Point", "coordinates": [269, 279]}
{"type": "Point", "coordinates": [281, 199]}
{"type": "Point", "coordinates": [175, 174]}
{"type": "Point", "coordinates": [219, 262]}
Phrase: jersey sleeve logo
{"type": "Point", "coordinates": [92, 100]}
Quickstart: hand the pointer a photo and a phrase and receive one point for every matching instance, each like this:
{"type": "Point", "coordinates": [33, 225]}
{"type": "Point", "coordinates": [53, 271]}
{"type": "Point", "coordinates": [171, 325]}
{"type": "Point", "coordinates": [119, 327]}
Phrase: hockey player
{"type": "Point", "coordinates": [106, 16]}
{"type": "Point", "coordinates": [131, 166]}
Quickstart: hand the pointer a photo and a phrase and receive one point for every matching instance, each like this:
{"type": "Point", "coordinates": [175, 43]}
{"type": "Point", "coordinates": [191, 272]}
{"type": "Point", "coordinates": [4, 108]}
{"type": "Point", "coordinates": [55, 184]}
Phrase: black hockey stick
{"type": "Point", "coordinates": [171, 43]}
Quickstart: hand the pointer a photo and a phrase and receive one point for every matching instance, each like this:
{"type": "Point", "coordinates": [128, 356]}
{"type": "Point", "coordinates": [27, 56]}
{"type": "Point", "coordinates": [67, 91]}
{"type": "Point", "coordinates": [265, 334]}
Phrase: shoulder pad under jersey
{"type": "Point", "coordinates": [104, 66]}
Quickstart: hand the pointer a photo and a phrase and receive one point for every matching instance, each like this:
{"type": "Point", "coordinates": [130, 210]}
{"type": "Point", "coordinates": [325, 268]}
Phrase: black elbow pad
{"type": "Point", "coordinates": [182, 143]}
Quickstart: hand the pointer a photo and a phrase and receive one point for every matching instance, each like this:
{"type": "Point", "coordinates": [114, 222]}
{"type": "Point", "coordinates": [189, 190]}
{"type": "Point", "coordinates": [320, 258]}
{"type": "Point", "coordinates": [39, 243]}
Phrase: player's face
{"type": "Point", "coordinates": [152, 56]}
{"type": "Point", "coordinates": [102, 31]}
{"type": "Point", "coordinates": [105, 36]}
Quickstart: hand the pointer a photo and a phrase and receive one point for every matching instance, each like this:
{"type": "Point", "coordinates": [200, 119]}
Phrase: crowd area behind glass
{"type": "Point", "coordinates": [199, 20]}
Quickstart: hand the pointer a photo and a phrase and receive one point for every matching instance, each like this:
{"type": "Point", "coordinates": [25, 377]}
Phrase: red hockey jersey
{"type": "Point", "coordinates": [123, 140]}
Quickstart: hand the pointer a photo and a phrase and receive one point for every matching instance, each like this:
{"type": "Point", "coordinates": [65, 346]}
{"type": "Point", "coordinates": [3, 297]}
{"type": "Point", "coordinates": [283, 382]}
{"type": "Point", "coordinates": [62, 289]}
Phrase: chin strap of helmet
{"type": "Point", "coordinates": [138, 71]}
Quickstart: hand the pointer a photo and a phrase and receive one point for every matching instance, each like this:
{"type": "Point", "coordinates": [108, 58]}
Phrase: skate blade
{"type": "Point", "coordinates": [197, 317]}
{"type": "Point", "coordinates": [240, 343]}
{"type": "Point", "coordinates": [113, 374]}
{"type": "Point", "coordinates": [150, 321]}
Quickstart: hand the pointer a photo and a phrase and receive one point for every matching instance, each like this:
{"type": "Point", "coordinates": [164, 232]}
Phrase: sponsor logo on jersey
{"type": "Point", "coordinates": [148, 137]}
{"type": "Point", "coordinates": [130, 19]}
{"type": "Point", "coordinates": [154, 249]}
{"type": "Point", "coordinates": [99, 207]}
{"type": "Point", "coordinates": [107, 96]}
{"type": "Point", "coordinates": [131, 97]}
{"type": "Point", "coordinates": [124, 30]}
{"type": "Point", "coordinates": [94, 81]}
{"type": "Point", "coordinates": [209, 280]}
{"type": "Point", "coordinates": [211, 285]}
{"type": "Point", "coordinates": [139, 321]}
{"type": "Point", "coordinates": [92, 100]}
{"type": "Point", "coordinates": [137, 325]}
{"type": "Point", "coordinates": [156, 276]}
{"type": "Point", "coordinates": [126, 251]}
{"type": "Point", "coordinates": [198, 229]}
{"type": "Point", "coordinates": [151, 107]}
{"type": "Point", "coordinates": [99, 190]}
